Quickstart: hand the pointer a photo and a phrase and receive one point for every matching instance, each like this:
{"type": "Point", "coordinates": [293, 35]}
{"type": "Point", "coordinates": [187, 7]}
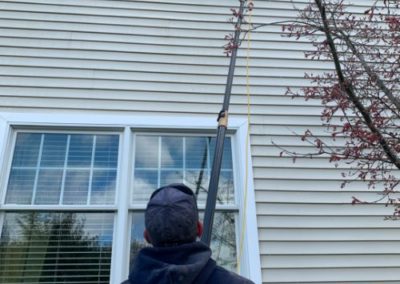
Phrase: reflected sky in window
{"type": "Point", "coordinates": [73, 169]}
{"type": "Point", "coordinates": [165, 159]}
{"type": "Point", "coordinates": [26, 150]}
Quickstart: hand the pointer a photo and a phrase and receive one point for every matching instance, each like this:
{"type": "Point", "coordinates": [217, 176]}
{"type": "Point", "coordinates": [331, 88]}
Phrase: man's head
{"type": "Point", "coordinates": [171, 216]}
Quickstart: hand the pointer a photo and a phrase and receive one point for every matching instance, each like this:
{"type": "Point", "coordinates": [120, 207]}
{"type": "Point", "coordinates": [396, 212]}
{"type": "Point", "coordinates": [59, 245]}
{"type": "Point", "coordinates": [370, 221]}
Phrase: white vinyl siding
{"type": "Point", "coordinates": [165, 58]}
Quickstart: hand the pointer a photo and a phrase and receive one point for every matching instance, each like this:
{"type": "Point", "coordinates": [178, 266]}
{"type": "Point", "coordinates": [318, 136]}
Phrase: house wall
{"type": "Point", "coordinates": [165, 57]}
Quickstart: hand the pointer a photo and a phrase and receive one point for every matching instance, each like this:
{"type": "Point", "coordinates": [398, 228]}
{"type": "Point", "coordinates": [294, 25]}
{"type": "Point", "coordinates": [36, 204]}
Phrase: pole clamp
{"type": "Point", "coordinates": [223, 118]}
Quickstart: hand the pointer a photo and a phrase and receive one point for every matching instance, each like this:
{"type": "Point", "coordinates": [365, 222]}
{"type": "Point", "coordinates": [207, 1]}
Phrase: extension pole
{"type": "Point", "coordinates": [219, 144]}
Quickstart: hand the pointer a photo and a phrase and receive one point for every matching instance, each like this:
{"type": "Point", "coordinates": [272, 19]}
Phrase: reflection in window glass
{"type": "Point", "coordinates": [27, 149]}
{"type": "Point", "coordinates": [50, 168]}
{"type": "Point", "coordinates": [137, 240]}
{"type": "Point", "coordinates": [160, 160]}
{"type": "Point", "coordinates": [171, 176]}
{"type": "Point", "coordinates": [103, 185]}
{"type": "Point", "coordinates": [226, 157]}
{"type": "Point", "coordinates": [48, 186]}
{"type": "Point", "coordinates": [76, 187]}
{"type": "Point", "coordinates": [197, 154]}
{"type": "Point", "coordinates": [146, 154]}
{"type": "Point", "coordinates": [223, 239]}
{"type": "Point", "coordinates": [56, 248]}
{"type": "Point", "coordinates": [20, 186]}
{"type": "Point", "coordinates": [106, 151]}
{"type": "Point", "coordinates": [80, 151]}
{"type": "Point", "coordinates": [53, 150]}
{"type": "Point", "coordinates": [198, 181]}
{"type": "Point", "coordinates": [171, 152]}
{"type": "Point", "coordinates": [145, 182]}
{"type": "Point", "coordinates": [225, 187]}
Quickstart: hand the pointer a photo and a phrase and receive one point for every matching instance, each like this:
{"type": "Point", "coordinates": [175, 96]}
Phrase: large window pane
{"type": "Point", "coordinates": [160, 160]}
{"type": "Point", "coordinates": [56, 248]}
{"type": "Point", "coordinates": [223, 238]}
{"type": "Point", "coordinates": [52, 168]}
{"type": "Point", "coordinates": [48, 187]}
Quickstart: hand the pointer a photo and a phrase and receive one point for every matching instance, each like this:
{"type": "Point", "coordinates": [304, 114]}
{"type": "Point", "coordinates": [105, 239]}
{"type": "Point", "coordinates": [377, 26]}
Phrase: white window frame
{"type": "Point", "coordinates": [126, 125]}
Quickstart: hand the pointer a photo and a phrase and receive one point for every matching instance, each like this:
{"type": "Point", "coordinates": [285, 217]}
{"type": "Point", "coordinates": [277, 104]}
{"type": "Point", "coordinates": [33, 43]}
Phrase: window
{"type": "Point", "coordinates": [164, 159]}
{"type": "Point", "coordinates": [72, 201]}
{"type": "Point", "coordinates": [59, 246]}
{"type": "Point", "coordinates": [161, 160]}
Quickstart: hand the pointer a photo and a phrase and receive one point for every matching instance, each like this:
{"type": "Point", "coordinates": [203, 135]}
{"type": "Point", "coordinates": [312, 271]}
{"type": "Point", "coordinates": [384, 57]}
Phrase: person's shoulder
{"type": "Point", "coordinates": [126, 282]}
{"type": "Point", "coordinates": [221, 275]}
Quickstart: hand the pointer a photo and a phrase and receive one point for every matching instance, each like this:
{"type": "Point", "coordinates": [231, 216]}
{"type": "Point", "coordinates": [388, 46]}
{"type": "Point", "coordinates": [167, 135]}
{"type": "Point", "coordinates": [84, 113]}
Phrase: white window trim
{"type": "Point", "coordinates": [250, 265]}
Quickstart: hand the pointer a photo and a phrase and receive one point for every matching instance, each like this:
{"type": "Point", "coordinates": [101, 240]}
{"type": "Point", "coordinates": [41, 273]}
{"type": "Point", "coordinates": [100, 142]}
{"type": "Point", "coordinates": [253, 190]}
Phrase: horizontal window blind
{"type": "Point", "coordinates": [55, 247]}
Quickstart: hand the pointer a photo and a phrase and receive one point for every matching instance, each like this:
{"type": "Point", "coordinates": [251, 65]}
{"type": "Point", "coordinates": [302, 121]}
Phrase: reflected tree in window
{"type": "Point", "coordinates": [52, 248]}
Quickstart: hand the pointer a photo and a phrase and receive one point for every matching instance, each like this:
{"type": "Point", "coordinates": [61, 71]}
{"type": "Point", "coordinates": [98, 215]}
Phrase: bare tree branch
{"type": "Point", "coordinates": [348, 87]}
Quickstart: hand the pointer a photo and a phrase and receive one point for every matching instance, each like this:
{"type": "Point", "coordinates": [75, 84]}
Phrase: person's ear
{"type": "Point", "coordinates": [146, 236]}
{"type": "Point", "coordinates": [199, 228]}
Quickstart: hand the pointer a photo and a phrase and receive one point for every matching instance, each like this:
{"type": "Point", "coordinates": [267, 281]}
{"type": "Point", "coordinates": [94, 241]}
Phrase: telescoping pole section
{"type": "Point", "coordinates": [219, 144]}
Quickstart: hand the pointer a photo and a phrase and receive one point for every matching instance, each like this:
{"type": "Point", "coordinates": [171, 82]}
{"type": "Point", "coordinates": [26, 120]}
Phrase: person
{"type": "Point", "coordinates": [172, 226]}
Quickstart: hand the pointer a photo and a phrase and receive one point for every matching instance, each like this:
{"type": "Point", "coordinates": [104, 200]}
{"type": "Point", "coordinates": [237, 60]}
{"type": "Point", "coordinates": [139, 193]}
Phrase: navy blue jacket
{"type": "Point", "coordinates": [183, 264]}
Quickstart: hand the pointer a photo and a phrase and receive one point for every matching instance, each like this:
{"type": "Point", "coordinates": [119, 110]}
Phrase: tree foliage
{"type": "Point", "coordinates": [41, 247]}
{"type": "Point", "coordinates": [361, 96]}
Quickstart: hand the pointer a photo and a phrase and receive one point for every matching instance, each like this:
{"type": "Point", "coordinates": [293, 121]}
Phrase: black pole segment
{"type": "Point", "coordinates": [219, 143]}
{"type": "Point", "coordinates": [232, 64]}
{"type": "Point", "coordinates": [213, 186]}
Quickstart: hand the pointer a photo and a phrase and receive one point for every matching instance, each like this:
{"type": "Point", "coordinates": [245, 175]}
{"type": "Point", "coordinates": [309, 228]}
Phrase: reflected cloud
{"type": "Point", "coordinates": [142, 189]}
{"type": "Point", "coordinates": [171, 152]}
{"type": "Point", "coordinates": [146, 152]}
{"type": "Point", "coordinates": [104, 194]}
